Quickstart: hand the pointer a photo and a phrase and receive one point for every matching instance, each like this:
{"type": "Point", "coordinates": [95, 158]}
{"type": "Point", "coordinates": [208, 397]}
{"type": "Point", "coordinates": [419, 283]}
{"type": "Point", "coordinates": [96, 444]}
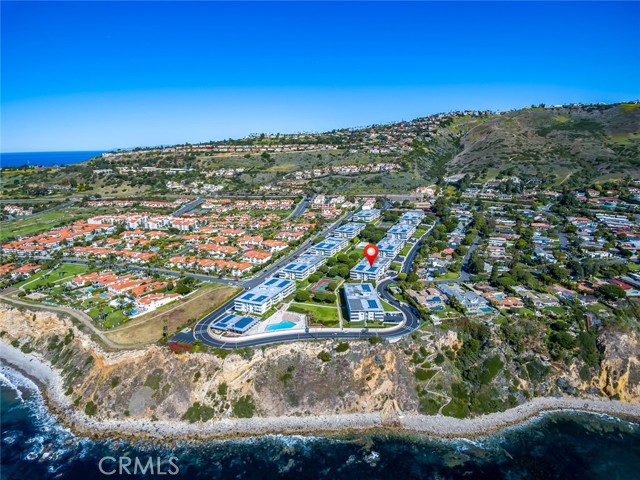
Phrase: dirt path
{"type": "Point", "coordinates": [82, 317]}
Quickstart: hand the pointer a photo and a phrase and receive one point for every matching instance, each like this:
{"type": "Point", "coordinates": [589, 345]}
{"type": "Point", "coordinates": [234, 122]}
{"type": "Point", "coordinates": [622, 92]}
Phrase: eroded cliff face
{"type": "Point", "coordinates": [154, 382]}
{"type": "Point", "coordinates": [412, 376]}
{"type": "Point", "coordinates": [620, 368]}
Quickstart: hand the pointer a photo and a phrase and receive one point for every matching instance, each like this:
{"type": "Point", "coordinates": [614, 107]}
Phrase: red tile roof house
{"type": "Point", "coordinates": [236, 268]}
{"type": "Point", "coordinates": [155, 300]}
{"type": "Point", "coordinates": [148, 287]}
{"type": "Point", "coordinates": [217, 250]}
{"type": "Point", "coordinates": [257, 257]}
{"type": "Point", "coordinates": [274, 245]}
{"type": "Point", "coordinates": [247, 240]}
{"type": "Point", "coordinates": [240, 268]}
{"type": "Point", "coordinates": [95, 278]}
{"type": "Point", "coordinates": [206, 264]}
{"type": "Point", "coordinates": [290, 235]}
{"type": "Point", "coordinates": [126, 284]}
{"type": "Point", "coordinates": [25, 270]}
{"type": "Point", "coordinates": [6, 268]}
{"type": "Point", "coordinates": [181, 262]}
{"type": "Point", "coordinates": [232, 232]}
{"type": "Point", "coordinates": [219, 240]}
{"type": "Point", "coordinates": [621, 284]}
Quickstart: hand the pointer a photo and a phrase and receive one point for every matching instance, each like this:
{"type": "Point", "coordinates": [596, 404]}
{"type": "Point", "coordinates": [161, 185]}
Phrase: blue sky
{"type": "Point", "coordinates": [92, 75]}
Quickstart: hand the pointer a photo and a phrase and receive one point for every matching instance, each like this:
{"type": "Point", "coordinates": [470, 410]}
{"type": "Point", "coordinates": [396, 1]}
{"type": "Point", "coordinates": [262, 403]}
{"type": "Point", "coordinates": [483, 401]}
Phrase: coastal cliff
{"type": "Point", "coordinates": [311, 379]}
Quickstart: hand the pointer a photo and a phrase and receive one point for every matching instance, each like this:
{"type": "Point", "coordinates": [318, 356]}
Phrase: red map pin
{"type": "Point", "coordinates": [371, 252]}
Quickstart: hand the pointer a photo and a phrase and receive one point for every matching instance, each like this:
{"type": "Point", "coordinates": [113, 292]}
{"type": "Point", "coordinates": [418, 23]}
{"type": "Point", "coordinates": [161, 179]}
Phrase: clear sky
{"type": "Point", "coordinates": [92, 75]}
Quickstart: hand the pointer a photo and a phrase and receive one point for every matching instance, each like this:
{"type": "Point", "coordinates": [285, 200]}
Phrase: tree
{"type": "Point", "coordinates": [611, 292]}
{"type": "Point", "coordinates": [494, 274]}
{"type": "Point", "coordinates": [302, 296]}
{"type": "Point", "coordinates": [476, 265]}
{"type": "Point", "coordinates": [412, 277]}
{"type": "Point", "coordinates": [402, 276]}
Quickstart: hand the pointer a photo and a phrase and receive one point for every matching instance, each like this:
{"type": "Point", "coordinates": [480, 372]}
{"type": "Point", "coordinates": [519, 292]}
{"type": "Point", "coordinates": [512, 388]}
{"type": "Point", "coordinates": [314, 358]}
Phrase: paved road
{"type": "Point", "coordinates": [465, 275]}
{"type": "Point", "coordinates": [200, 330]}
{"type": "Point", "coordinates": [188, 206]}
{"type": "Point", "coordinates": [411, 318]}
{"type": "Point", "coordinates": [407, 265]}
{"type": "Point", "coordinates": [411, 321]}
{"type": "Point", "coordinates": [300, 208]}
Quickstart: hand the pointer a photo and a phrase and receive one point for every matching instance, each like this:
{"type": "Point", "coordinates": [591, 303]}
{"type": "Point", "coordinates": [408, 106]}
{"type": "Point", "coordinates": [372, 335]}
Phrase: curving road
{"type": "Point", "coordinates": [411, 317]}
{"type": "Point", "coordinates": [410, 323]}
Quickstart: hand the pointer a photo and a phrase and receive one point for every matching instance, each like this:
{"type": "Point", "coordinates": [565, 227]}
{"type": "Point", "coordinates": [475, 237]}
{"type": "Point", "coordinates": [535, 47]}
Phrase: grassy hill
{"type": "Point", "coordinates": [570, 145]}
{"type": "Point", "coordinates": [580, 143]}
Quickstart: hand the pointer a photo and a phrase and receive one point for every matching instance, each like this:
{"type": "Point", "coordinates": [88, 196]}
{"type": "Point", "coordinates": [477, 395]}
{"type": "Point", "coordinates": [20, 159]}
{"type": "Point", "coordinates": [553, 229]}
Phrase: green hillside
{"type": "Point", "coordinates": [572, 144]}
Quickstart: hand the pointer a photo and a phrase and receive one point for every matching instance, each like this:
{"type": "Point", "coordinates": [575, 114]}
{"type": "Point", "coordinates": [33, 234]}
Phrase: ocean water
{"type": "Point", "coordinates": [560, 445]}
{"type": "Point", "coordinates": [45, 158]}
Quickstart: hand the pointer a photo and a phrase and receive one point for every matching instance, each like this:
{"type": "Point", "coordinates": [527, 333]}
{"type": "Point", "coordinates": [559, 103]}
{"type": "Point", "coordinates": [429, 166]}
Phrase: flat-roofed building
{"type": "Point", "coordinates": [389, 247]}
{"type": "Point", "coordinates": [329, 246]}
{"type": "Point", "coordinates": [362, 303]}
{"type": "Point", "coordinates": [301, 268]}
{"type": "Point", "coordinates": [261, 298]}
{"type": "Point", "coordinates": [366, 215]}
{"type": "Point", "coordinates": [231, 322]}
{"type": "Point", "coordinates": [401, 231]}
{"type": "Point", "coordinates": [349, 230]}
{"type": "Point", "coordinates": [364, 272]}
{"type": "Point", "coordinates": [412, 217]}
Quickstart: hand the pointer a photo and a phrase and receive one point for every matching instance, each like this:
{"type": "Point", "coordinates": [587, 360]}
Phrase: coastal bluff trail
{"type": "Point", "coordinates": [437, 426]}
{"type": "Point", "coordinates": [152, 393]}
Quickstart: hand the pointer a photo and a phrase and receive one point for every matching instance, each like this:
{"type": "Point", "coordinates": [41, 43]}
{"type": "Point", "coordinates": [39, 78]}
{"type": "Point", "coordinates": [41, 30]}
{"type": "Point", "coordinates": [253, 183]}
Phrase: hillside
{"type": "Point", "coordinates": [574, 144]}
{"type": "Point", "coordinates": [584, 142]}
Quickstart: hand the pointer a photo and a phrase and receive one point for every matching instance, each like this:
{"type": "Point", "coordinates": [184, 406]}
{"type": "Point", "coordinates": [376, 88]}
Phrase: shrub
{"type": "Point", "coordinates": [342, 347]}
{"type": "Point", "coordinates": [90, 408]}
{"type": "Point", "coordinates": [244, 407]}
{"type": "Point", "coordinates": [490, 369]}
{"type": "Point", "coordinates": [423, 375]}
{"type": "Point", "coordinates": [223, 388]}
{"type": "Point", "coordinates": [324, 356]}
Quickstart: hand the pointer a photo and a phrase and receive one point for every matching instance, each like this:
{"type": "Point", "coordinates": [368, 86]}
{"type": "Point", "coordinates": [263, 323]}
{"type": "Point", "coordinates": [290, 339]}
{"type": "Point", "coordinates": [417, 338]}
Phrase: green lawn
{"type": "Point", "coordinates": [33, 225]}
{"type": "Point", "coordinates": [327, 316]}
{"type": "Point", "coordinates": [388, 307]}
{"type": "Point", "coordinates": [114, 316]}
{"type": "Point", "coordinates": [448, 276]}
{"type": "Point", "coordinates": [634, 267]}
{"type": "Point", "coordinates": [406, 250]}
{"type": "Point", "coordinates": [57, 275]}
{"type": "Point", "coordinates": [419, 232]}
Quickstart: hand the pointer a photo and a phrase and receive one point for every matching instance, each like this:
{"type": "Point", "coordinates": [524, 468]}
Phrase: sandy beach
{"type": "Point", "coordinates": [436, 426]}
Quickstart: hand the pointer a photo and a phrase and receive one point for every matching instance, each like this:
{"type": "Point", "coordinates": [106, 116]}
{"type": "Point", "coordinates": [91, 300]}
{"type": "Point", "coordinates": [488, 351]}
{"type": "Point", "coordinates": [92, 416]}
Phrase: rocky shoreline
{"type": "Point", "coordinates": [436, 426]}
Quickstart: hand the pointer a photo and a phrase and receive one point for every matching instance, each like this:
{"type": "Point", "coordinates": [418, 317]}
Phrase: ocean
{"type": "Point", "coordinates": [555, 445]}
{"type": "Point", "coordinates": [45, 158]}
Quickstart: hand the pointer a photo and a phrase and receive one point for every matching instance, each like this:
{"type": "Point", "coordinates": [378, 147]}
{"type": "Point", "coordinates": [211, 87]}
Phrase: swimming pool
{"type": "Point", "coordinates": [486, 309]}
{"type": "Point", "coordinates": [103, 295]}
{"type": "Point", "coordinates": [499, 296]}
{"type": "Point", "coordinates": [280, 326]}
